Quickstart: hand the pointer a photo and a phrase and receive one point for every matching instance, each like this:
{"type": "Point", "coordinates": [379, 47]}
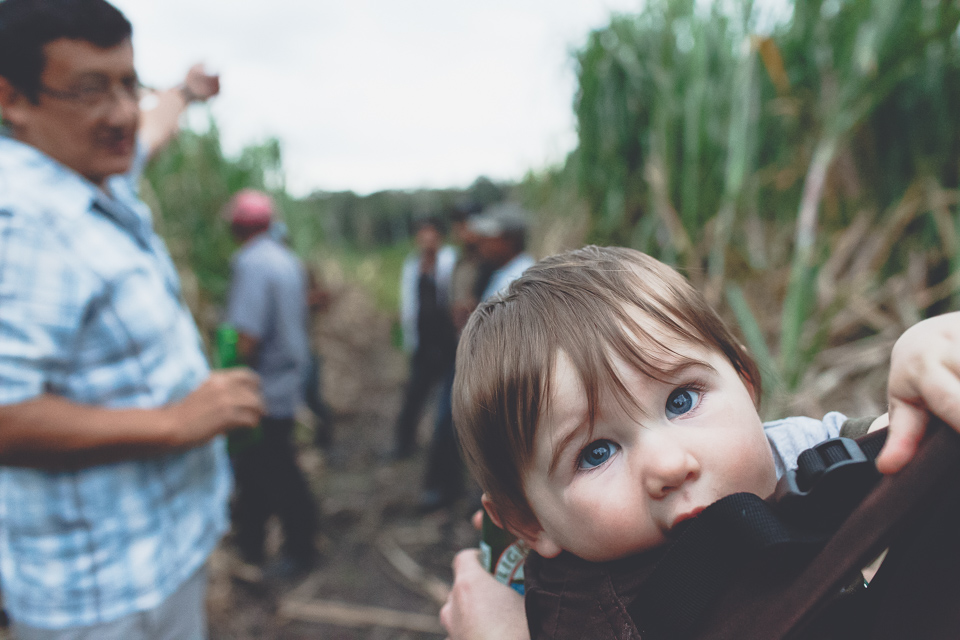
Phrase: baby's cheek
{"type": "Point", "coordinates": [755, 468]}
{"type": "Point", "coordinates": [608, 512]}
{"type": "Point", "coordinates": [591, 513]}
{"type": "Point", "coordinates": [585, 506]}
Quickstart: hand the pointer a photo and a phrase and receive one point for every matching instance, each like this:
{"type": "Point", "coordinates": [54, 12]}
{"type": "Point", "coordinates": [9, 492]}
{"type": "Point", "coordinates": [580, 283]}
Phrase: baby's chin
{"type": "Point", "coordinates": [622, 553]}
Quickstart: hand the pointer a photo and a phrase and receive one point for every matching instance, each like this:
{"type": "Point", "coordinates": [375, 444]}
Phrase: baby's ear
{"type": "Point", "coordinates": [491, 510]}
{"type": "Point", "coordinates": [524, 527]}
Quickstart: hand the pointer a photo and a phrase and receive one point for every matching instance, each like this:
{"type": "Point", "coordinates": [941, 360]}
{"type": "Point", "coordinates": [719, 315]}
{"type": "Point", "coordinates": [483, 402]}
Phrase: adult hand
{"type": "Point", "coordinates": [228, 399]}
{"type": "Point", "coordinates": [479, 607]}
{"type": "Point", "coordinates": [160, 124]}
{"type": "Point", "coordinates": [199, 85]}
{"type": "Point", "coordinates": [924, 379]}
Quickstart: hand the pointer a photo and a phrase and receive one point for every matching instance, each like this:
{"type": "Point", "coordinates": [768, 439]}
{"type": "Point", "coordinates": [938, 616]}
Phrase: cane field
{"type": "Point", "coordinates": [800, 167]}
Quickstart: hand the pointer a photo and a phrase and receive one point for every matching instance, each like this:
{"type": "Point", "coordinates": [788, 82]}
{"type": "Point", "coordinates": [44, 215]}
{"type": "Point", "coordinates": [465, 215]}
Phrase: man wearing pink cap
{"type": "Point", "coordinates": [268, 308]}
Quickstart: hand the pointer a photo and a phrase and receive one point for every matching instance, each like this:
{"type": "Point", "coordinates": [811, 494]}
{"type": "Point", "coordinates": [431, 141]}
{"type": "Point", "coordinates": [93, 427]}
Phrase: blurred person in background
{"type": "Point", "coordinates": [443, 477]}
{"type": "Point", "coordinates": [268, 307]}
{"type": "Point", "coordinates": [467, 281]}
{"type": "Point", "coordinates": [502, 230]}
{"type": "Point", "coordinates": [428, 333]}
{"type": "Point", "coordinates": [115, 482]}
{"type": "Point", "coordinates": [318, 300]}
{"type": "Point", "coordinates": [493, 255]}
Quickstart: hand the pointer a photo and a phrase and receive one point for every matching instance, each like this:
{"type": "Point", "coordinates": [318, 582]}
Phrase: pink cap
{"type": "Point", "coordinates": [250, 208]}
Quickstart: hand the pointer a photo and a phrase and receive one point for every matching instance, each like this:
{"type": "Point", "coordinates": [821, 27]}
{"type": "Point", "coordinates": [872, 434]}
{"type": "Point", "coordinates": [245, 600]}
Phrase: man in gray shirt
{"type": "Point", "coordinates": [268, 308]}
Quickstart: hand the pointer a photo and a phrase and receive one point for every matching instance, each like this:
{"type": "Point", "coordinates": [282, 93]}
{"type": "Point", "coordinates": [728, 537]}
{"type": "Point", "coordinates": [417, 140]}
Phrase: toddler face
{"type": "Point", "coordinates": [623, 488]}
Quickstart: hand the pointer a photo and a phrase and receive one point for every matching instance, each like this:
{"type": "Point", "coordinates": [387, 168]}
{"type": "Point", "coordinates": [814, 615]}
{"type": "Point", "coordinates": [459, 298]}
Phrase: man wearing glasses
{"type": "Point", "coordinates": [113, 480]}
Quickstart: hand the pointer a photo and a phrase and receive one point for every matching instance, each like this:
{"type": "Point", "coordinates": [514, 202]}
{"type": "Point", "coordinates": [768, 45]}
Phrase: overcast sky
{"type": "Point", "coordinates": [376, 94]}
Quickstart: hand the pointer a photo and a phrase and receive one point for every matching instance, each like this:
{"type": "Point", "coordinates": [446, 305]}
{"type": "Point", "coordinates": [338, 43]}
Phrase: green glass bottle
{"type": "Point", "coordinates": [225, 351]}
{"type": "Point", "coordinates": [226, 355]}
{"type": "Point", "coordinates": [502, 554]}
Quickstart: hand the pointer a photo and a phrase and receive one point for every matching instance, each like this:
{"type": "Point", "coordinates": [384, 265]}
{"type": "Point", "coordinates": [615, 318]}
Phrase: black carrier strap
{"type": "Point", "coordinates": [914, 513]}
{"type": "Point", "coordinates": [742, 529]}
{"type": "Point", "coordinates": [830, 480]}
{"type": "Point", "coordinates": [727, 535]}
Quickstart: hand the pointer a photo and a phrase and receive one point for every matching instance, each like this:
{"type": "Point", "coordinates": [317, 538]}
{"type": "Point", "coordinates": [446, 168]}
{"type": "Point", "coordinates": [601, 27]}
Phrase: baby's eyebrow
{"type": "Point", "coordinates": [681, 367]}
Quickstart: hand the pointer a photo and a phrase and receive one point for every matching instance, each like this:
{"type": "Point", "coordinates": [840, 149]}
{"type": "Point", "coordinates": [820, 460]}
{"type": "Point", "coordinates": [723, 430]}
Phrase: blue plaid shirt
{"type": "Point", "coordinates": [90, 310]}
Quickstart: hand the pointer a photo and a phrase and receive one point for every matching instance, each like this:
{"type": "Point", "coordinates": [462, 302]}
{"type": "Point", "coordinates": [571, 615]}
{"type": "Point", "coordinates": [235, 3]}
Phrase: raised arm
{"type": "Point", "coordinates": [160, 125]}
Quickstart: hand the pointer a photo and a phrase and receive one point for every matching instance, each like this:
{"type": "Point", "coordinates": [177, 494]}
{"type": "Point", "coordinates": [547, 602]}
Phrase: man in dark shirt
{"type": "Point", "coordinates": [427, 327]}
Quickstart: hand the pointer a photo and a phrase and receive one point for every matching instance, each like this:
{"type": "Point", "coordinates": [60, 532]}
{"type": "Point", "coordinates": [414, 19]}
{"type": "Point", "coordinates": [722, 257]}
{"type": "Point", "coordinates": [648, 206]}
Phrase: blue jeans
{"type": "Point", "coordinates": [444, 472]}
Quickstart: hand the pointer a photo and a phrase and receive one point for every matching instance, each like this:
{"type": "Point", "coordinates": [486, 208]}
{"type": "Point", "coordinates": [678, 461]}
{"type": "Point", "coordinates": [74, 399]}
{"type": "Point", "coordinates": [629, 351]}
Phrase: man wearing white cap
{"type": "Point", "coordinates": [503, 244]}
{"type": "Point", "coordinates": [268, 308]}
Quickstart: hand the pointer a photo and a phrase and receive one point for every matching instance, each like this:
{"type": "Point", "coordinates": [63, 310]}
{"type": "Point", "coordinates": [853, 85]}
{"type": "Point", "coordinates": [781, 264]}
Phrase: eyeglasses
{"type": "Point", "coordinates": [96, 93]}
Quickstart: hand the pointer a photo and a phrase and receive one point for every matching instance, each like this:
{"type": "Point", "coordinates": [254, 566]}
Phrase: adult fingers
{"type": "Point", "coordinates": [253, 399]}
{"type": "Point", "coordinates": [941, 393]}
{"type": "Point", "coordinates": [241, 405]}
{"type": "Point", "coordinates": [466, 560]}
{"type": "Point", "coordinates": [248, 418]}
{"type": "Point", "coordinates": [914, 395]}
{"type": "Point", "coordinates": [246, 389]}
{"type": "Point", "coordinates": [244, 376]}
{"type": "Point", "coordinates": [907, 426]}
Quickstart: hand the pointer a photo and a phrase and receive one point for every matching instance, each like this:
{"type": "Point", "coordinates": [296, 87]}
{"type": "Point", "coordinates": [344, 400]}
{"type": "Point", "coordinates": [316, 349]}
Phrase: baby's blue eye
{"type": "Point", "coordinates": [681, 401]}
{"type": "Point", "coordinates": [596, 453]}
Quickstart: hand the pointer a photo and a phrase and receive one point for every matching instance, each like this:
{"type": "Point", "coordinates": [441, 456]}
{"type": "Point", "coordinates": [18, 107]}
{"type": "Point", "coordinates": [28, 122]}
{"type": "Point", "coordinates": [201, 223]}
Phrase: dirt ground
{"type": "Point", "coordinates": [385, 567]}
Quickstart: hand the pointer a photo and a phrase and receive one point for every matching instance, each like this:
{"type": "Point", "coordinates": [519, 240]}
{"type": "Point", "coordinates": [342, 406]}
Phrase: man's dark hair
{"type": "Point", "coordinates": [434, 221]}
{"type": "Point", "coordinates": [463, 209]}
{"type": "Point", "coordinates": [27, 25]}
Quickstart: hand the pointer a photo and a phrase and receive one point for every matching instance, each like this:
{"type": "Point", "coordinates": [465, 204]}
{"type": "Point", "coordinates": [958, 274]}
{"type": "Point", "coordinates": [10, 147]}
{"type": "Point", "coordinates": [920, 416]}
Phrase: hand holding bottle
{"type": "Point", "coordinates": [479, 607]}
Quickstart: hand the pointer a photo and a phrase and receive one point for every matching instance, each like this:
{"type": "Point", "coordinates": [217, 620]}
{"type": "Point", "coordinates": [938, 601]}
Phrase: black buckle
{"type": "Point", "coordinates": [829, 480]}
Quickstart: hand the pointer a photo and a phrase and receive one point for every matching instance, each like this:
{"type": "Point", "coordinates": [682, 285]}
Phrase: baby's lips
{"type": "Point", "coordinates": [683, 519]}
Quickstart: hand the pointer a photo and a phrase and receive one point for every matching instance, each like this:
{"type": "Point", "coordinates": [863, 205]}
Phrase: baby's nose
{"type": "Point", "coordinates": [667, 468]}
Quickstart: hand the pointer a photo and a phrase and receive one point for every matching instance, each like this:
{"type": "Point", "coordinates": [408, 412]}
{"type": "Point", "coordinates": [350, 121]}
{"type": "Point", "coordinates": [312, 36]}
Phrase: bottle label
{"type": "Point", "coordinates": [502, 554]}
{"type": "Point", "coordinates": [486, 556]}
{"type": "Point", "coordinates": [509, 566]}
